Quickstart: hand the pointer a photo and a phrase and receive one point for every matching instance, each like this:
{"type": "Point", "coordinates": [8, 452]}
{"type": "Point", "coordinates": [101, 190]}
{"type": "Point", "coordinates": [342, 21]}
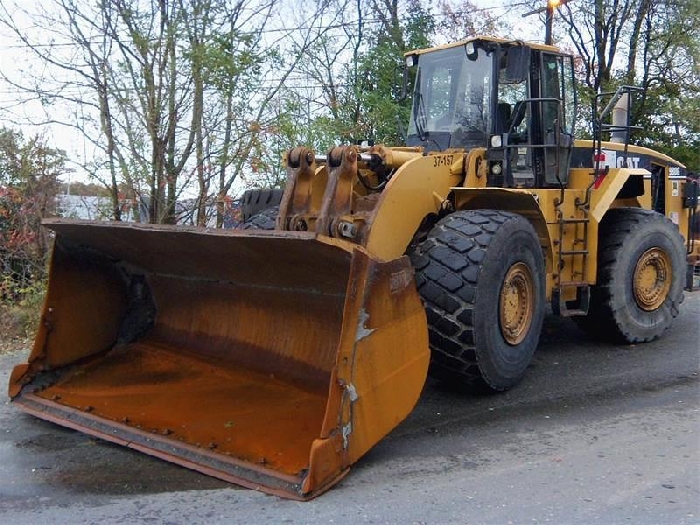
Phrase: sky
{"type": "Point", "coordinates": [21, 112]}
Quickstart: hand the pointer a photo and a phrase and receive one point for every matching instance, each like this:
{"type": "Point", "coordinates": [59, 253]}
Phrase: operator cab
{"type": "Point", "coordinates": [515, 99]}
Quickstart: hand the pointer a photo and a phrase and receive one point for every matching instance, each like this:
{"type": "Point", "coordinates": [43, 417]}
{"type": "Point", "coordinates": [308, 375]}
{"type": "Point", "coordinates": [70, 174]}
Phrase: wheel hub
{"type": "Point", "coordinates": [652, 279]}
{"type": "Point", "coordinates": [516, 303]}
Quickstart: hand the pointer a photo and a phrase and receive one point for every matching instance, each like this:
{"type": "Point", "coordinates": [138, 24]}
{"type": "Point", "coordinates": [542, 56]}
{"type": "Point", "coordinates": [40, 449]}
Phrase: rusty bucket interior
{"type": "Point", "coordinates": [235, 354]}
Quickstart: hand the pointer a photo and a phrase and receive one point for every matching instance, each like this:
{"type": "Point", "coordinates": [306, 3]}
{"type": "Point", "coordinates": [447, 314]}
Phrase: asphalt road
{"type": "Point", "coordinates": [594, 434]}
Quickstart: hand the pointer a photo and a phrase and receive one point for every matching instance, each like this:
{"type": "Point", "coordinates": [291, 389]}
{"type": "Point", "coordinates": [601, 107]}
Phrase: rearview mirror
{"type": "Point", "coordinates": [517, 65]}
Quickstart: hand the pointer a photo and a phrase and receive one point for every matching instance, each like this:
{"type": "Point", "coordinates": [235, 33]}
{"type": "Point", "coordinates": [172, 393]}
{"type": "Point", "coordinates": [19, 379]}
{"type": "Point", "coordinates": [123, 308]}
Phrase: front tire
{"type": "Point", "coordinates": [482, 279]}
{"type": "Point", "coordinates": [641, 262]}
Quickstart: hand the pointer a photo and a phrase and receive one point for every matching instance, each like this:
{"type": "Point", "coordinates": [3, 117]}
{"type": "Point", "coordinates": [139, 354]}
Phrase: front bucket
{"type": "Point", "coordinates": [269, 359]}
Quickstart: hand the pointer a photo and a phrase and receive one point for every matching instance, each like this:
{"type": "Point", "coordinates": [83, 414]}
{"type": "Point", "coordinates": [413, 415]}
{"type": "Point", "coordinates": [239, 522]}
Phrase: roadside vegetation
{"type": "Point", "coordinates": [206, 96]}
{"type": "Point", "coordinates": [29, 180]}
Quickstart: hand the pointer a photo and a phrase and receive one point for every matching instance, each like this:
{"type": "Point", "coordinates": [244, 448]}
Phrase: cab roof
{"type": "Point", "coordinates": [533, 45]}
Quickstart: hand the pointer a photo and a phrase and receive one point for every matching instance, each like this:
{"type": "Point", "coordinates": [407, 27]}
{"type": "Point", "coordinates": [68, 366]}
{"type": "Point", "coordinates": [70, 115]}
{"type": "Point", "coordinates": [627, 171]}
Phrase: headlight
{"type": "Point", "coordinates": [496, 169]}
{"type": "Point", "coordinates": [496, 141]}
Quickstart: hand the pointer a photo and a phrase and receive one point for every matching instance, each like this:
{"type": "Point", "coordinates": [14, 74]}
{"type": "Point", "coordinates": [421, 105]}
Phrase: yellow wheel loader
{"type": "Point", "coordinates": [276, 358]}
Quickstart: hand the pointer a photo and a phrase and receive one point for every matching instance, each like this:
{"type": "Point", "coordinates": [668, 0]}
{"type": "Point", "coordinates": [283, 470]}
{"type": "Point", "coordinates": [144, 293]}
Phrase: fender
{"type": "Point", "coordinates": [523, 202]}
{"type": "Point", "coordinates": [419, 188]}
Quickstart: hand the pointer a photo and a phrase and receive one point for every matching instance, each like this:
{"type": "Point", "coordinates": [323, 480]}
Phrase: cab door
{"type": "Point", "coordinates": [556, 111]}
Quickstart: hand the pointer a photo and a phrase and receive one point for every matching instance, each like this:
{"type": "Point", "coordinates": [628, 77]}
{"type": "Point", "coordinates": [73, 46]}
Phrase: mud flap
{"type": "Point", "coordinates": [273, 360]}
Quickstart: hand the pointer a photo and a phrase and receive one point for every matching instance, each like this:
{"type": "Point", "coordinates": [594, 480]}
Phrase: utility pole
{"type": "Point", "coordinates": [549, 22]}
{"type": "Point", "coordinates": [549, 18]}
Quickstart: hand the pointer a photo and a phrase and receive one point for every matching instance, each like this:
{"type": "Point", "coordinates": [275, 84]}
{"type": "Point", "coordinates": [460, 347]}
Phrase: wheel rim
{"type": "Point", "coordinates": [652, 279]}
{"type": "Point", "coordinates": [516, 304]}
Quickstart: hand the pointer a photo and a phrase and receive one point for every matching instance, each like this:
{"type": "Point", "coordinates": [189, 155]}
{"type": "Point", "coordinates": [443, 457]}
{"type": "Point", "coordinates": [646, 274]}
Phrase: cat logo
{"type": "Point", "coordinates": [615, 160]}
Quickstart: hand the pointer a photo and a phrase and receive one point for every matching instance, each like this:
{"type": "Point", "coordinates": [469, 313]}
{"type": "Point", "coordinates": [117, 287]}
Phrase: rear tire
{"type": "Point", "coordinates": [482, 279]}
{"type": "Point", "coordinates": [265, 220]}
{"type": "Point", "coordinates": [641, 270]}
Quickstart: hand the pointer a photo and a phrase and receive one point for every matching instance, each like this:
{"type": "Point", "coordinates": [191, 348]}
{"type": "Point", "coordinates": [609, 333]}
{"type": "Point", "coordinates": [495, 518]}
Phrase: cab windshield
{"type": "Point", "coordinates": [452, 99]}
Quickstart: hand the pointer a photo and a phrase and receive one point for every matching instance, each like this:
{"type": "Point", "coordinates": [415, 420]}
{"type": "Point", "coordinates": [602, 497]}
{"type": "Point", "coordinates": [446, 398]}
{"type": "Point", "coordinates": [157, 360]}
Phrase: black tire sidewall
{"type": "Point", "coordinates": [502, 364]}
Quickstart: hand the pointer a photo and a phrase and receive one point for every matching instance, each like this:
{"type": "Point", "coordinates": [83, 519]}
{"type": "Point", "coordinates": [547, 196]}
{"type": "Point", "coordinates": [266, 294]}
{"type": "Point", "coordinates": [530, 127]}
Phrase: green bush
{"type": "Point", "coordinates": [23, 313]}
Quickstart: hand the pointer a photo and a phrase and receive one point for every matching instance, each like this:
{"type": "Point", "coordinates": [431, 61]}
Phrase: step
{"type": "Point", "coordinates": [579, 306]}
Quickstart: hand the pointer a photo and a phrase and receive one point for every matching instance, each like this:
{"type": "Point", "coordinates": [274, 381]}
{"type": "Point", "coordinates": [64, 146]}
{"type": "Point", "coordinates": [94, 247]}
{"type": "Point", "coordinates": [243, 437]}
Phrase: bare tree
{"type": "Point", "coordinates": [166, 91]}
{"type": "Point", "coordinates": [462, 19]}
{"type": "Point", "coordinates": [85, 72]}
{"type": "Point", "coordinates": [249, 95]}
